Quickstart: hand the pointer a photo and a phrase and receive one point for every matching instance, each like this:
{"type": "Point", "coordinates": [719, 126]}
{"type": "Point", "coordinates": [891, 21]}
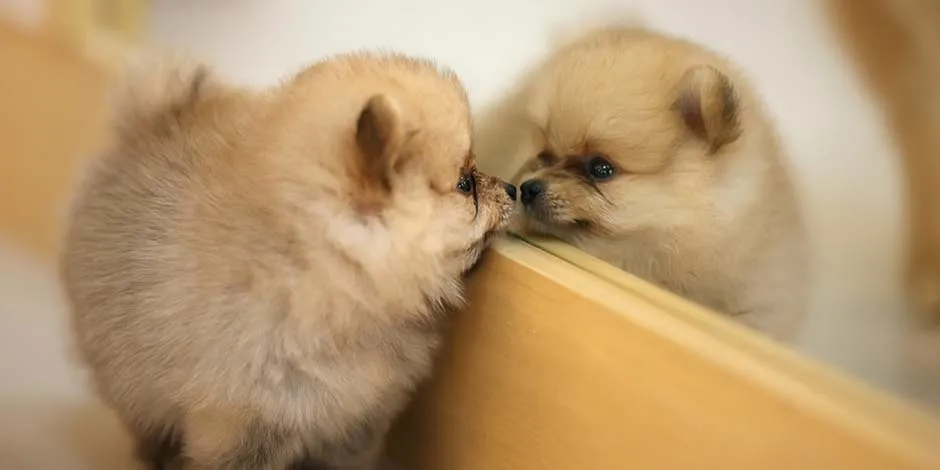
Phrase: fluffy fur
{"type": "Point", "coordinates": [257, 279]}
{"type": "Point", "coordinates": [698, 199]}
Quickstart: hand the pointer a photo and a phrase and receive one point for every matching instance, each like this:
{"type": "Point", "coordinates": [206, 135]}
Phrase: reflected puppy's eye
{"type": "Point", "coordinates": [600, 169]}
{"type": "Point", "coordinates": [466, 184]}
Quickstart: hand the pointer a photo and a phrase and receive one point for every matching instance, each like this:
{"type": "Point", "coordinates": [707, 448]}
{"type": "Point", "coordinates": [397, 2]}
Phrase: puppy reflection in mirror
{"type": "Point", "coordinates": [653, 154]}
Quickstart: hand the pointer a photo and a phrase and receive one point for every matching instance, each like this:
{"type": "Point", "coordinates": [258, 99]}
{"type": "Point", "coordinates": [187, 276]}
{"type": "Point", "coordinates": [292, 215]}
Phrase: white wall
{"type": "Point", "coordinates": [841, 155]}
{"type": "Point", "coordinates": [49, 419]}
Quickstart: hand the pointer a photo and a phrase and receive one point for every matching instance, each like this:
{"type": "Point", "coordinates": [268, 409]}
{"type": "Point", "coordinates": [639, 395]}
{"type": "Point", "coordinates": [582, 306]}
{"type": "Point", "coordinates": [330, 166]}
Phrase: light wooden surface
{"type": "Point", "coordinates": [76, 20]}
{"type": "Point", "coordinates": [53, 110]}
{"type": "Point", "coordinates": [552, 368]}
{"type": "Point", "coordinates": [52, 94]}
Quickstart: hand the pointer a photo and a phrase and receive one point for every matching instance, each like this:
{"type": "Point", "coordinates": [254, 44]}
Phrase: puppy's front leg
{"type": "Point", "coordinates": [216, 440]}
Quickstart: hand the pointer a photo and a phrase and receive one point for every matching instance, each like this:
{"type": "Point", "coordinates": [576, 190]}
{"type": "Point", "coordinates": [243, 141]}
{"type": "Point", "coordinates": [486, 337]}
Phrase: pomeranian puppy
{"type": "Point", "coordinates": [257, 279]}
{"type": "Point", "coordinates": [653, 153]}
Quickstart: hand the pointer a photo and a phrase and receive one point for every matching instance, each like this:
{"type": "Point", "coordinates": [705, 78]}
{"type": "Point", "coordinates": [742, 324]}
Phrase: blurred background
{"type": "Point", "coordinates": [55, 54]}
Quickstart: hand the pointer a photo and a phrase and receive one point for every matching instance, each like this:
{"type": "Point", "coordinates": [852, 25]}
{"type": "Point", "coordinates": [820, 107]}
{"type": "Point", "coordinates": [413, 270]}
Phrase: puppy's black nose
{"type": "Point", "coordinates": [510, 190]}
{"type": "Point", "coordinates": [531, 190]}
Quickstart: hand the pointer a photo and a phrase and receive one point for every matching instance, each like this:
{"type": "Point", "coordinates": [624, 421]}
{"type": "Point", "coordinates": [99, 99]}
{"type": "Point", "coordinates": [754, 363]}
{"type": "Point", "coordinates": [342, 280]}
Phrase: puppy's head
{"type": "Point", "coordinates": [406, 172]}
{"type": "Point", "coordinates": [629, 130]}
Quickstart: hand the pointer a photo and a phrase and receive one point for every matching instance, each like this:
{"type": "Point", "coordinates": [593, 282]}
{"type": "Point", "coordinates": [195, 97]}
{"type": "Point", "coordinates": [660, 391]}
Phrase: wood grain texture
{"type": "Point", "coordinates": [554, 368]}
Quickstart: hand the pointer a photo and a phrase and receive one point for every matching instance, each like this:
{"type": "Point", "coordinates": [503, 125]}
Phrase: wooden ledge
{"type": "Point", "coordinates": [553, 367]}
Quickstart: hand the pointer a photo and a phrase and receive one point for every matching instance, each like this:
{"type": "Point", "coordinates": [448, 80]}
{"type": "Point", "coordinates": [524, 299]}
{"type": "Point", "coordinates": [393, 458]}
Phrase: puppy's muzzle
{"type": "Point", "coordinates": [534, 194]}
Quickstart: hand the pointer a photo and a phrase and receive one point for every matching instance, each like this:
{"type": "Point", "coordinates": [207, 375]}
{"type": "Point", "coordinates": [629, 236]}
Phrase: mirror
{"type": "Point", "coordinates": [745, 168]}
{"type": "Point", "coordinates": [778, 91]}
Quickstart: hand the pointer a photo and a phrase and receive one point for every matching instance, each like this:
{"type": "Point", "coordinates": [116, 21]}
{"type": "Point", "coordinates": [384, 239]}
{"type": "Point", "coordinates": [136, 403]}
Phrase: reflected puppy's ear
{"type": "Point", "coordinates": [709, 106]}
{"type": "Point", "coordinates": [379, 138]}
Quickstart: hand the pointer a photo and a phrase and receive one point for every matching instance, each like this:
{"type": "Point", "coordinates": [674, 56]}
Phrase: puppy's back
{"type": "Point", "coordinates": [147, 215]}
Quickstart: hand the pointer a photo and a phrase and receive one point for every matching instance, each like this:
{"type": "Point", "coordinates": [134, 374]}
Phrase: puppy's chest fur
{"type": "Point", "coordinates": [693, 275]}
{"type": "Point", "coordinates": [722, 277]}
{"type": "Point", "coordinates": [363, 372]}
{"type": "Point", "coordinates": [756, 279]}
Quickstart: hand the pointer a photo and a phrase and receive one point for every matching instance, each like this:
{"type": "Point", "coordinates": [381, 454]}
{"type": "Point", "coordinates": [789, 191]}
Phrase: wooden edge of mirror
{"type": "Point", "coordinates": [554, 367]}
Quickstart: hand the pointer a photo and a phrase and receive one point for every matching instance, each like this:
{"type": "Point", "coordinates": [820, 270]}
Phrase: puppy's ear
{"type": "Point", "coordinates": [379, 136]}
{"type": "Point", "coordinates": [156, 89]}
{"type": "Point", "coordinates": [709, 106]}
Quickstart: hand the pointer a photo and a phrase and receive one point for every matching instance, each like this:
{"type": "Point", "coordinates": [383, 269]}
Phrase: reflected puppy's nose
{"type": "Point", "coordinates": [531, 190]}
{"type": "Point", "coordinates": [510, 190]}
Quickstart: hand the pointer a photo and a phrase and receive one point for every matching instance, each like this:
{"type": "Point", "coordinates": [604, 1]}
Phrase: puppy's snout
{"type": "Point", "coordinates": [510, 190]}
{"type": "Point", "coordinates": [531, 190]}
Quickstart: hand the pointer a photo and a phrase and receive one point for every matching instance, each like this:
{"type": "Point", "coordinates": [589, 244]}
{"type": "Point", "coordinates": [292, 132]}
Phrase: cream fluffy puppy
{"type": "Point", "coordinates": [654, 154]}
{"type": "Point", "coordinates": [257, 280]}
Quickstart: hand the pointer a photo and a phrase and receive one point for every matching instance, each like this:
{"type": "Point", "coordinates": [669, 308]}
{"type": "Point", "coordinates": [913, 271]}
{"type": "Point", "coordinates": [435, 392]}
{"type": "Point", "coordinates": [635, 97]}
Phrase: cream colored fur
{"type": "Point", "coordinates": [260, 277]}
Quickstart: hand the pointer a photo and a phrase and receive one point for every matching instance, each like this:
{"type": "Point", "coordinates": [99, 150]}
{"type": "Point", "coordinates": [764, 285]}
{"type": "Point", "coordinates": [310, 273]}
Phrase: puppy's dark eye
{"type": "Point", "coordinates": [466, 183]}
{"type": "Point", "coordinates": [600, 169]}
{"type": "Point", "coordinates": [545, 158]}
